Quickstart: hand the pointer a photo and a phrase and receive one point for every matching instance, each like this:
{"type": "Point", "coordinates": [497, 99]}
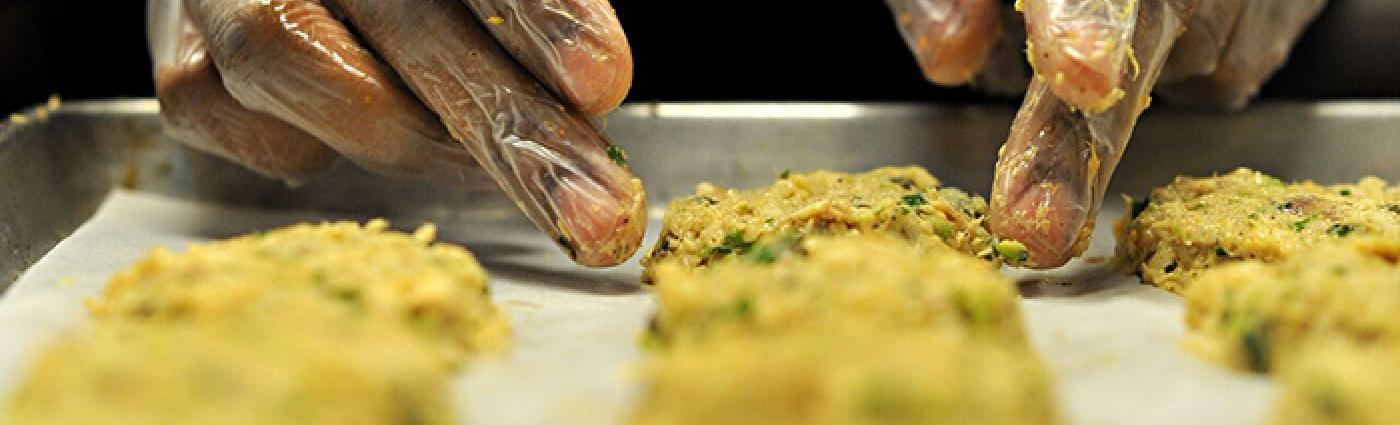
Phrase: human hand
{"type": "Point", "coordinates": [1095, 63]}
{"type": "Point", "coordinates": [284, 87]}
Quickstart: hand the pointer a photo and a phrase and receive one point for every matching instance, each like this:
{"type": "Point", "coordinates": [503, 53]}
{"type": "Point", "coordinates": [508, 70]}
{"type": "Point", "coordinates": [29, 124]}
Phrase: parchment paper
{"type": "Point", "coordinates": [1112, 344]}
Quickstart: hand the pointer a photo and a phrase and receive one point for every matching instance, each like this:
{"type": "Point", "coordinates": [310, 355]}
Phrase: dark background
{"type": "Point", "coordinates": [754, 50]}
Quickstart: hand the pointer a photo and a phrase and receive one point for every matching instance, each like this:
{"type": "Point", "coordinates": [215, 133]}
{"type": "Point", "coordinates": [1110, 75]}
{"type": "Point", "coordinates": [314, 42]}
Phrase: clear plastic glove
{"type": "Point", "coordinates": [1231, 47]}
{"type": "Point", "coordinates": [281, 86]}
{"type": "Point", "coordinates": [965, 41]}
{"type": "Point", "coordinates": [1095, 64]}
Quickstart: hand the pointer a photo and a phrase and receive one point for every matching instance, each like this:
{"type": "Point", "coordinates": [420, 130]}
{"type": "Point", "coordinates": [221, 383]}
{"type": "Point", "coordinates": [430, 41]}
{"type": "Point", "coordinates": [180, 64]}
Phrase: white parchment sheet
{"type": "Point", "coordinates": [1112, 344]}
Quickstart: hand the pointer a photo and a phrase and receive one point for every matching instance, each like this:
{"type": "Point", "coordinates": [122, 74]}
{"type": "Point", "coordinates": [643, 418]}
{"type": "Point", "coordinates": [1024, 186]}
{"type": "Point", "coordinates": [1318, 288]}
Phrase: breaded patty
{"type": "Point", "coordinates": [840, 329]}
{"type": "Point", "coordinates": [1337, 382]}
{"type": "Point", "coordinates": [841, 375]}
{"type": "Point", "coordinates": [1255, 315]}
{"type": "Point", "coordinates": [904, 201]}
{"type": "Point", "coordinates": [291, 367]}
{"type": "Point", "coordinates": [822, 281]}
{"type": "Point", "coordinates": [1195, 223]}
{"type": "Point", "coordinates": [363, 272]}
{"type": "Point", "coordinates": [331, 323]}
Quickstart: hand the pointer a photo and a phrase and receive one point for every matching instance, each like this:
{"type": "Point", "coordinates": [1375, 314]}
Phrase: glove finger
{"type": "Point", "coordinates": [950, 38]}
{"type": "Point", "coordinates": [291, 59]}
{"type": "Point", "coordinates": [576, 47]}
{"type": "Point", "coordinates": [1041, 192]}
{"type": "Point", "coordinates": [201, 114]}
{"type": "Point", "coordinates": [1052, 173]}
{"type": "Point", "coordinates": [1198, 50]}
{"type": "Point", "coordinates": [558, 168]}
{"type": "Point", "coordinates": [1259, 44]}
{"type": "Point", "coordinates": [1081, 48]}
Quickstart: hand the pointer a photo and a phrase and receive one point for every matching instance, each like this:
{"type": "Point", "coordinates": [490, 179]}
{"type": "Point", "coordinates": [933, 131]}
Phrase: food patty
{"type": "Point", "coordinates": [1195, 223]}
{"type": "Point", "coordinates": [330, 323]}
{"type": "Point", "coordinates": [1255, 315]}
{"type": "Point", "coordinates": [823, 281]}
{"type": "Point", "coordinates": [285, 368]}
{"type": "Point", "coordinates": [847, 376]}
{"type": "Point", "coordinates": [906, 201]}
{"type": "Point", "coordinates": [361, 272]}
{"type": "Point", "coordinates": [840, 329]}
{"type": "Point", "coordinates": [1339, 383]}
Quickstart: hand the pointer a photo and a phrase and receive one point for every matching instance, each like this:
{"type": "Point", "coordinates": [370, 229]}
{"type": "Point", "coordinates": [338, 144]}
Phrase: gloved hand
{"type": "Point", "coordinates": [283, 86]}
{"type": "Point", "coordinates": [1095, 63]}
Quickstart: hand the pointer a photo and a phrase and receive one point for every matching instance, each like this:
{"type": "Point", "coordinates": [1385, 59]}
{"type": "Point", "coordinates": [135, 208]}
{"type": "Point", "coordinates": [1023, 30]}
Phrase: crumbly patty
{"type": "Point", "coordinates": [1195, 223]}
{"type": "Point", "coordinates": [905, 201]}
{"type": "Point", "coordinates": [298, 369]}
{"type": "Point", "coordinates": [1337, 382]}
{"type": "Point", "coordinates": [1255, 315]}
{"type": "Point", "coordinates": [840, 329]}
{"type": "Point", "coordinates": [361, 272]}
{"type": "Point", "coordinates": [329, 323]}
{"type": "Point", "coordinates": [847, 376]}
{"type": "Point", "coordinates": [834, 280]}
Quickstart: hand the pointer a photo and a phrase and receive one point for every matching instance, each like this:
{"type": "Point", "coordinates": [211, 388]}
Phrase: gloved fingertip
{"type": "Point", "coordinates": [1049, 220]}
{"type": "Point", "coordinates": [952, 39]}
{"type": "Point", "coordinates": [577, 48]}
{"type": "Point", "coordinates": [600, 227]}
{"type": "Point", "coordinates": [599, 78]}
{"type": "Point", "coordinates": [1081, 48]}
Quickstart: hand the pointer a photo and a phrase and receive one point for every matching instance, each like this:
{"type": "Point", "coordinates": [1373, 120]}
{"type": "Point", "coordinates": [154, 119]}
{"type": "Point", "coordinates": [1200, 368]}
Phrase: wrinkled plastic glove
{"type": "Point", "coordinates": [1231, 47]}
{"type": "Point", "coordinates": [965, 41]}
{"type": "Point", "coordinates": [1095, 64]}
{"type": "Point", "coordinates": [284, 87]}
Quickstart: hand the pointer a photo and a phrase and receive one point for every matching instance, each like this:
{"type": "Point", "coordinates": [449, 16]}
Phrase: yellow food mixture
{"type": "Point", "coordinates": [847, 376]}
{"type": "Point", "coordinates": [292, 371]}
{"type": "Point", "coordinates": [821, 280]}
{"type": "Point", "coordinates": [437, 289]}
{"type": "Point", "coordinates": [1195, 223]}
{"type": "Point", "coordinates": [1254, 315]}
{"type": "Point", "coordinates": [1339, 383]}
{"type": "Point", "coordinates": [331, 323]}
{"type": "Point", "coordinates": [844, 329]}
{"type": "Point", "coordinates": [716, 223]}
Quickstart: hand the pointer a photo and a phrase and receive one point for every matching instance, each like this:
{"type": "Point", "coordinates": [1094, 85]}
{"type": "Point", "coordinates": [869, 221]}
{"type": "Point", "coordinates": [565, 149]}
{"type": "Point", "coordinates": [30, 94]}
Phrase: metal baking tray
{"type": "Point", "coordinates": [89, 186]}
